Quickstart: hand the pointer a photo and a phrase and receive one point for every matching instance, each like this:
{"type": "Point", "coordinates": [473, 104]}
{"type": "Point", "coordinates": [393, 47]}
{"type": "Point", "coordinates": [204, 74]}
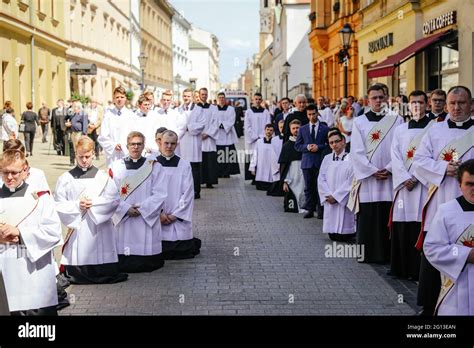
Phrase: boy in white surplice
{"type": "Point", "coordinates": [86, 199]}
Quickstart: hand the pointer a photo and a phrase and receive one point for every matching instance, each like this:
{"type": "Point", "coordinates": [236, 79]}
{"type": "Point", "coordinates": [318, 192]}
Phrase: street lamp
{"type": "Point", "coordinates": [346, 34]}
{"type": "Point", "coordinates": [286, 70]}
{"type": "Point", "coordinates": [142, 59]}
{"type": "Point", "coordinates": [266, 87]}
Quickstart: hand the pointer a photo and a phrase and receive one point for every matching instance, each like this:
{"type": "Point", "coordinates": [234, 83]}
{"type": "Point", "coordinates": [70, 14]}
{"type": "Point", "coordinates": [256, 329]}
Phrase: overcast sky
{"type": "Point", "coordinates": [234, 22]}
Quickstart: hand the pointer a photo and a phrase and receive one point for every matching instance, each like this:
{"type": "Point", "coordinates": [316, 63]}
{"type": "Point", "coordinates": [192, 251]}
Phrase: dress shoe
{"type": "Point", "coordinates": [197, 196]}
{"type": "Point", "coordinates": [209, 186]}
{"type": "Point", "coordinates": [308, 215]}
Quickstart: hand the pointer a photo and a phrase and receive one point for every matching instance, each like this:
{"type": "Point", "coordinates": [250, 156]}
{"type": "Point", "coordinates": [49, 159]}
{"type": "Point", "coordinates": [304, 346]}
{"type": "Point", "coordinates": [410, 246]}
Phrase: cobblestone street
{"type": "Point", "coordinates": [255, 260]}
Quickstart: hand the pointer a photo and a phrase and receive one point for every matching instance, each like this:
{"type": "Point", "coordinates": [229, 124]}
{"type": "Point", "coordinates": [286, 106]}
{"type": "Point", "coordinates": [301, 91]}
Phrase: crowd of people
{"type": "Point", "coordinates": [377, 173]}
{"type": "Point", "coordinates": [396, 179]}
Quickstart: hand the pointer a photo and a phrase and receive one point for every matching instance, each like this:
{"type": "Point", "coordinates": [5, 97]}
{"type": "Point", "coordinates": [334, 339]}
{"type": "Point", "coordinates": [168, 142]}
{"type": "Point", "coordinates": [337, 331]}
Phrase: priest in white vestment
{"type": "Point", "coordinates": [334, 185]}
{"type": "Point", "coordinates": [86, 199]}
{"type": "Point", "coordinates": [29, 232]}
{"type": "Point", "coordinates": [372, 135]}
{"type": "Point", "coordinates": [449, 247]}
{"type": "Point", "coordinates": [143, 190]}
{"type": "Point", "coordinates": [409, 193]}
{"type": "Point", "coordinates": [444, 146]}
{"type": "Point", "coordinates": [177, 212]}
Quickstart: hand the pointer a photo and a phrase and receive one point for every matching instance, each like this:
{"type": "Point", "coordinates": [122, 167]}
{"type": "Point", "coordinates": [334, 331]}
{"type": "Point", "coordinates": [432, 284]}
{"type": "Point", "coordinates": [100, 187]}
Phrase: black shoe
{"type": "Point", "coordinates": [308, 215]}
{"type": "Point", "coordinates": [197, 196]}
{"type": "Point", "coordinates": [320, 216]}
{"type": "Point", "coordinates": [209, 186]}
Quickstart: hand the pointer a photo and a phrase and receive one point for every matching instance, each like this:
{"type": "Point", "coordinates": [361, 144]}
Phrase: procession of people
{"type": "Point", "coordinates": [402, 190]}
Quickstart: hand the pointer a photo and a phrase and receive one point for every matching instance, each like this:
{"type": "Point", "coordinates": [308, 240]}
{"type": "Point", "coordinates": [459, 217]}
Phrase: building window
{"type": "Point", "coordinates": [265, 3]}
{"type": "Point", "coordinates": [443, 66]}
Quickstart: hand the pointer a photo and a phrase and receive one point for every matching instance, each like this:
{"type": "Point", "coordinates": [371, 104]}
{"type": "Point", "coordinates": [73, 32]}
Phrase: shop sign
{"type": "Point", "coordinates": [381, 43]}
{"type": "Point", "coordinates": [439, 22]}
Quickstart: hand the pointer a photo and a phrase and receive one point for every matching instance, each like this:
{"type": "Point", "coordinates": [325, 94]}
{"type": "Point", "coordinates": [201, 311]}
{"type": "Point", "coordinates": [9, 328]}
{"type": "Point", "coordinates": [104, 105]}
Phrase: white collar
{"type": "Point", "coordinates": [292, 138]}
{"type": "Point", "coordinates": [459, 124]}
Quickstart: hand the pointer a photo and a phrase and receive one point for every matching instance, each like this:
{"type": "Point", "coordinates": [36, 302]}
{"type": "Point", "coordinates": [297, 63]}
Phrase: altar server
{"type": "Point", "coordinates": [86, 199]}
{"type": "Point", "coordinates": [334, 185]}
{"type": "Point", "coordinates": [191, 141]}
{"type": "Point", "coordinates": [227, 161]}
{"type": "Point", "coordinates": [254, 128]}
{"type": "Point", "coordinates": [209, 136]}
{"type": "Point", "coordinates": [291, 173]}
{"type": "Point", "coordinates": [143, 190]}
{"type": "Point", "coordinates": [117, 123]}
{"type": "Point", "coordinates": [177, 213]}
{"type": "Point", "coordinates": [29, 232]}
{"type": "Point", "coordinates": [264, 164]}
{"type": "Point", "coordinates": [449, 247]}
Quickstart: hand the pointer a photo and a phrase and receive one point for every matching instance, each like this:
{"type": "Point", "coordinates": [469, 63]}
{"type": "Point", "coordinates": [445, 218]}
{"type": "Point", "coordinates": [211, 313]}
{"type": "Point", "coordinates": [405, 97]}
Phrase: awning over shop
{"type": "Point", "coordinates": [387, 67]}
{"type": "Point", "coordinates": [83, 69]}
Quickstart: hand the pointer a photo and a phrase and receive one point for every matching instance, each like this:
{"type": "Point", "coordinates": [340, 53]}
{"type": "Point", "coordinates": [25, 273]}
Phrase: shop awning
{"type": "Point", "coordinates": [387, 67]}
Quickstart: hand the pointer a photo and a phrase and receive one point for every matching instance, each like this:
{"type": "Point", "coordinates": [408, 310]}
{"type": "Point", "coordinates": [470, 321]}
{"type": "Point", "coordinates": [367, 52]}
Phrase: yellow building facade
{"type": "Point", "coordinates": [155, 28]}
{"type": "Point", "coordinates": [409, 44]}
{"type": "Point", "coordinates": [328, 73]}
{"type": "Point", "coordinates": [33, 52]}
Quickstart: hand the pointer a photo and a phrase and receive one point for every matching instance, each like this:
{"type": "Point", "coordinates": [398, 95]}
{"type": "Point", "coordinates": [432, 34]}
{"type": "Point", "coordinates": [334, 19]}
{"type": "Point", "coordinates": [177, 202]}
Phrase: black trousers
{"type": "Point", "coordinates": [29, 138]}
{"type": "Point", "coordinates": [429, 286]}
{"type": "Point", "coordinates": [209, 168]}
{"type": "Point", "coordinates": [59, 141]}
{"type": "Point", "coordinates": [311, 189]}
{"type": "Point", "coordinates": [372, 231]}
{"type": "Point", "coordinates": [196, 170]}
{"type": "Point", "coordinates": [94, 137]}
{"type": "Point", "coordinates": [405, 258]}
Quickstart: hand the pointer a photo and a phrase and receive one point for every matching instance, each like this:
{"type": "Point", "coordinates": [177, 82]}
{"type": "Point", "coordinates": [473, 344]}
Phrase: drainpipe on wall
{"type": "Point", "coordinates": [32, 53]}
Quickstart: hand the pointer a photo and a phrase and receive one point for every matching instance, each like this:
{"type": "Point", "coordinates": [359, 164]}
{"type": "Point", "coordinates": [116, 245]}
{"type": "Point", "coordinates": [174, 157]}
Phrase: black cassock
{"type": "Point", "coordinates": [288, 154]}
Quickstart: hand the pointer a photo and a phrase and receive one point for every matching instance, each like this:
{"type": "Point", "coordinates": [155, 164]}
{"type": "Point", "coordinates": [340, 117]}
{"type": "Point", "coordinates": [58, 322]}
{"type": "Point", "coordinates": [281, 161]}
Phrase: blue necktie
{"type": "Point", "coordinates": [119, 112]}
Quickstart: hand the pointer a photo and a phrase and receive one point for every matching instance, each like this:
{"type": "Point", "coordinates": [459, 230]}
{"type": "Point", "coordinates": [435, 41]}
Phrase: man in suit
{"type": "Point", "coordinates": [58, 127]}
{"type": "Point", "coordinates": [312, 141]}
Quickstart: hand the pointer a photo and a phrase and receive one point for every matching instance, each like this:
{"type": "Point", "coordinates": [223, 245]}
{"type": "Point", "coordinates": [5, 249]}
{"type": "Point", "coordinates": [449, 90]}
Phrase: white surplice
{"type": "Point", "coordinates": [265, 160]}
{"type": "Point", "coordinates": [432, 170]}
{"type": "Point", "coordinates": [190, 142]}
{"type": "Point", "coordinates": [211, 129]}
{"type": "Point", "coordinates": [140, 235]}
{"type": "Point", "coordinates": [335, 179]}
{"type": "Point", "coordinates": [93, 241]}
{"type": "Point", "coordinates": [114, 130]}
{"type": "Point", "coordinates": [254, 127]}
{"type": "Point", "coordinates": [448, 253]}
{"type": "Point", "coordinates": [408, 205]}
{"type": "Point", "coordinates": [180, 200]}
{"type": "Point", "coordinates": [28, 269]}
{"type": "Point", "coordinates": [226, 134]}
{"type": "Point", "coordinates": [371, 189]}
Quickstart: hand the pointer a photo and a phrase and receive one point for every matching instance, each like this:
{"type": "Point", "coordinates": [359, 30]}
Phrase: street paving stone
{"type": "Point", "coordinates": [255, 260]}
